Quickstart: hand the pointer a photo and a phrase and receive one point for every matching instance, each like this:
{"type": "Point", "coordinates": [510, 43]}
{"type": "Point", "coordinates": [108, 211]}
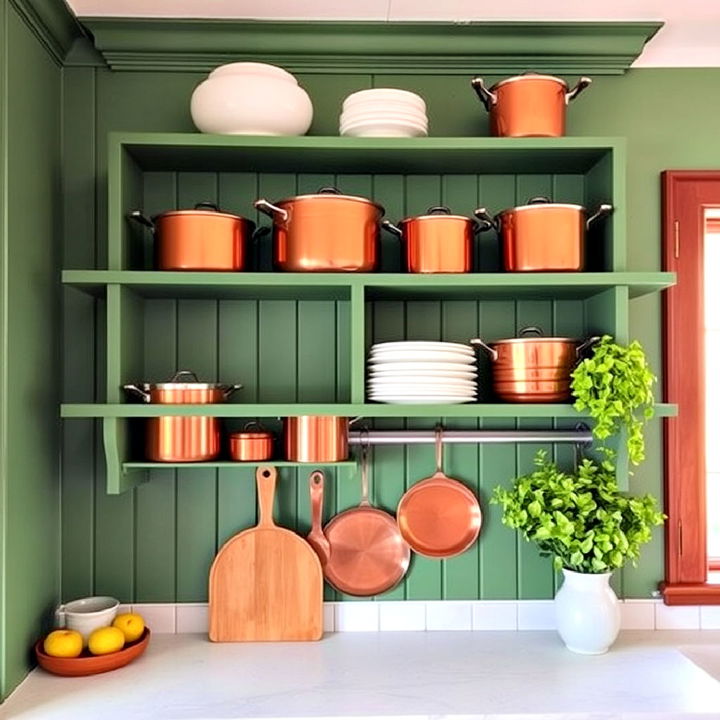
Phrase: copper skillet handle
{"type": "Point", "coordinates": [138, 217]}
{"type": "Point", "coordinates": [585, 345]}
{"type": "Point", "coordinates": [582, 83]}
{"type": "Point", "coordinates": [487, 98]}
{"type": "Point", "coordinates": [317, 484]}
{"type": "Point", "coordinates": [491, 351]}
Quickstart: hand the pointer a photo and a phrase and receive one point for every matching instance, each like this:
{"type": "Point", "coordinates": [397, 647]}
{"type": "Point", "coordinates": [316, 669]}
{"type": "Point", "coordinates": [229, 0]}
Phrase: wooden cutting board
{"type": "Point", "coordinates": [266, 582]}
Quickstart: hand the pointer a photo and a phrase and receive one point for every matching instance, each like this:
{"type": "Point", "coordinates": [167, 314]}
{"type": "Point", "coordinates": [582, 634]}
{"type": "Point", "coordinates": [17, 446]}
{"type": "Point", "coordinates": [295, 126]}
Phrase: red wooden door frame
{"type": "Point", "coordinates": [686, 194]}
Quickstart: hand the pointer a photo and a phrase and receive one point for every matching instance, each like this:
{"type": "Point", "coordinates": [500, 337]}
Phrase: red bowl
{"type": "Point", "coordinates": [87, 664]}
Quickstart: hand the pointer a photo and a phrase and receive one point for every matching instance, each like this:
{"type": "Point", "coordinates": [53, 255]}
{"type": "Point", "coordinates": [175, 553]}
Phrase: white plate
{"type": "Point", "coordinates": [423, 375]}
{"type": "Point", "coordinates": [423, 345]}
{"type": "Point", "coordinates": [355, 116]}
{"type": "Point", "coordinates": [395, 384]}
{"type": "Point", "coordinates": [384, 129]}
{"type": "Point", "coordinates": [384, 95]}
{"type": "Point", "coordinates": [417, 400]}
{"type": "Point", "coordinates": [408, 389]}
{"type": "Point", "coordinates": [418, 367]}
{"type": "Point", "coordinates": [422, 356]}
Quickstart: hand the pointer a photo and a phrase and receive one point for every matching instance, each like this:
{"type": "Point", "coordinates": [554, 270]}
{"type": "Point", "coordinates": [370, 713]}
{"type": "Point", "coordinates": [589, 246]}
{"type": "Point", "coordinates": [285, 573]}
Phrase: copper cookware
{"type": "Point", "coordinates": [253, 443]}
{"type": "Point", "coordinates": [201, 239]}
{"type": "Point", "coordinates": [439, 517]}
{"type": "Point", "coordinates": [316, 536]}
{"type": "Point", "coordinates": [324, 232]}
{"type": "Point", "coordinates": [368, 555]}
{"type": "Point", "coordinates": [316, 438]}
{"type": "Point", "coordinates": [182, 439]}
{"type": "Point", "coordinates": [542, 235]}
{"type": "Point", "coordinates": [534, 369]}
{"type": "Point", "coordinates": [529, 105]}
{"type": "Point", "coordinates": [437, 242]}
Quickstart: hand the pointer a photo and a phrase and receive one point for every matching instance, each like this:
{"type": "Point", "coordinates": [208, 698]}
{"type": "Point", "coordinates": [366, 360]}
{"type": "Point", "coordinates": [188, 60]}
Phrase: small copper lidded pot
{"type": "Point", "coordinates": [251, 444]}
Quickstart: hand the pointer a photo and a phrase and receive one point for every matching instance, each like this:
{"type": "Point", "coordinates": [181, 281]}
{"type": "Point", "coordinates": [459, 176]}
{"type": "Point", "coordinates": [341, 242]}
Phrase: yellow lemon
{"type": "Point", "coordinates": [131, 624]}
{"type": "Point", "coordinates": [63, 643]}
{"type": "Point", "coordinates": [106, 640]}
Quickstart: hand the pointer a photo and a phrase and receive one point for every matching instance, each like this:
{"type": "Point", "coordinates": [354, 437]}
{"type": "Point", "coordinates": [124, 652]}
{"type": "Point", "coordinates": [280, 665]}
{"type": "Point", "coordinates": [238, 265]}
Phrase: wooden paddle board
{"type": "Point", "coordinates": [266, 582]}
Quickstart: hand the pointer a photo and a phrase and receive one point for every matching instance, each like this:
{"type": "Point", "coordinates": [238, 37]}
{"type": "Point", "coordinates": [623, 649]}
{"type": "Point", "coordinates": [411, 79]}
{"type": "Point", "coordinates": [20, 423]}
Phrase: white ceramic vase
{"type": "Point", "coordinates": [249, 98]}
{"type": "Point", "coordinates": [587, 612]}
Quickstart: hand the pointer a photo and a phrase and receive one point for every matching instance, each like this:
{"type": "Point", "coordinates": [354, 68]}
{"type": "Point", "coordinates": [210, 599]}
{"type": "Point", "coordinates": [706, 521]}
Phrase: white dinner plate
{"type": "Point", "coordinates": [404, 365]}
{"type": "Point", "coordinates": [418, 390]}
{"type": "Point", "coordinates": [422, 356]}
{"type": "Point", "coordinates": [424, 387]}
{"type": "Point", "coordinates": [422, 375]}
{"type": "Point", "coordinates": [423, 345]}
{"type": "Point", "coordinates": [423, 400]}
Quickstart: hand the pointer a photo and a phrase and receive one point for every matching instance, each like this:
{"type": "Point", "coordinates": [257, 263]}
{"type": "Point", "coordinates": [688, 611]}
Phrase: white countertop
{"type": "Point", "coordinates": [392, 675]}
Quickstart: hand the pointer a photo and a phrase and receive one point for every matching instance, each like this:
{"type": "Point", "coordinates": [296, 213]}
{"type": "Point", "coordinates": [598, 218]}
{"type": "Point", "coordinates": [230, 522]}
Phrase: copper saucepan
{"type": "Point", "coordinates": [324, 232]}
{"type": "Point", "coordinates": [534, 369]}
{"type": "Point", "coordinates": [368, 555]}
{"type": "Point", "coordinates": [316, 438]}
{"type": "Point", "coordinates": [529, 105]}
{"type": "Point", "coordinates": [437, 242]}
{"type": "Point", "coordinates": [251, 444]}
{"type": "Point", "coordinates": [439, 517]}
{"type": "Point", "coordinates": [201, 239]}
{"type": "Point", "coordinates": [182, 439]}
{"type": "Point", "coordinates": [543, 236]}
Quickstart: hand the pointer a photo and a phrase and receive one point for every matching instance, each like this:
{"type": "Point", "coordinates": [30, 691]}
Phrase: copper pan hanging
{"type": "Point", "coordinates": [439, 517]}
{"type": "Point", "coordinates": [368, 555]}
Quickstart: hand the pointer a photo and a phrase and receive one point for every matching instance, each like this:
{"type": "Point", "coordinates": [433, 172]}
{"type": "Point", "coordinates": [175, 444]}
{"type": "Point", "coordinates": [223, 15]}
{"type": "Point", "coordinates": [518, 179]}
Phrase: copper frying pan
{"type": "Point", "coordinates": [316, 536]}
{"type": "Point", "coordinates": [368, 555]}
{"type": "Point", "coordinates": [439, 517]}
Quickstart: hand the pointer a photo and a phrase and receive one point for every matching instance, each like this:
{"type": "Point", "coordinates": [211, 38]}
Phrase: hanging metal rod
{"type": "Point", "coordinates": [480, 437]}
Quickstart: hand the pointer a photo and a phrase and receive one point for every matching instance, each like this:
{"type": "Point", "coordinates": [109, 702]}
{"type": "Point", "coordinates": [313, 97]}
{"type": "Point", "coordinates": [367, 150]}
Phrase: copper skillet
{"type": "Point", "coordinates": [368, 555]}
{"type": "Point", "coordinates": [439, 517]}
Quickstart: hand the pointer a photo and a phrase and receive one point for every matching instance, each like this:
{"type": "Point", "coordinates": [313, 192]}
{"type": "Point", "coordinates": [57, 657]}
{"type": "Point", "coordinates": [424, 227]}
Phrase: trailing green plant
{"type": "Point", "coordinates": [581, 519]}
{"type": "Point", "coordinates": [614, 385]}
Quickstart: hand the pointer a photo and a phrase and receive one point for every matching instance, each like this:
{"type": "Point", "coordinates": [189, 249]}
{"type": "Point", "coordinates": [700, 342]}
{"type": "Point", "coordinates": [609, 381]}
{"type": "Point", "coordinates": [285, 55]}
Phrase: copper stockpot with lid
{"type": "Point", "coordinates": [316, 438]}
{"type": "Point", "coordinates": [437, 242]}
{"type": "Point", "coordinates": [532, 368]}
{"type": "Point", "coordinates": [251, 444]}
{"type": "Point", "coordinates": [529, 105]}
{"type": "Point", "coordinates": [177, 438]}
{"type": "Point", "coordinates": [205, 238]}
{"type": "Point", "coordinates": [324, 232]}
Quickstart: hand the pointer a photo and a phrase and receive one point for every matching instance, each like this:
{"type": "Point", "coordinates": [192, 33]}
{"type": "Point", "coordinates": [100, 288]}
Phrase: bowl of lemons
{"type": "Point", "coordinates": [62, 652]}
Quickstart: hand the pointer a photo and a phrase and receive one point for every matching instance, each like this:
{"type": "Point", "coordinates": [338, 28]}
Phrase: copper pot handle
{"type": "Point", "coordinates": [394, 229]}
{"type": "Point", "coordinates": [486, 220]}
{"type": "Point", "coordinates": [487, 98]}
{"type": "Point", "coordinates": [269, 209]}
{"type": "Point", "coordinates": [582, 83]}
{"type": "Point", "coordinates": [438, 210]}
{"type": "Point", "coordinates": [140, 219]}
{"type": "Point", "coordinates": [329, 190]}
{"type": "Point", "coordinates": [138, 391]}
{"type": "Point", "coordinates": [231, 390]}
{"type": "Point", "coordinates": [602, 211]}
{"type": "Point", "coordinates": [491, 351]}
{"type": "Point", "coordinates": [531, 330]}
{"type": "Point", "coordinates": [177, 377]}
{"type": "Point", "coordinates": [253, 424]}
{"type": "Point", "coordinates": [207, 205]}
{"type": "Point", "coordinates": [539, 200]}
{"type": "Point", "coordinates": [585, 345]}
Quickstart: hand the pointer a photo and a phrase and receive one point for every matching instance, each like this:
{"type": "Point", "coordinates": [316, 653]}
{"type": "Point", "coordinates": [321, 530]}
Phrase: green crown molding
{"type": "Point", "coordinates": [600, 48]}
{"type": "Point", "coordinates": [53, 24]}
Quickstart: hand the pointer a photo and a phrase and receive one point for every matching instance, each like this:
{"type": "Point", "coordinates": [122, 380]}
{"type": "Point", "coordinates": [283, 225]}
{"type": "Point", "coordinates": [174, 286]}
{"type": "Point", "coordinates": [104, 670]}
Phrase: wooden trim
{"type": "Point", "coordinates": [400, 48]}
{"type": "Point", "coordinates": [685, 195]}
{"type": "Point", "coordinates": [712, 225]}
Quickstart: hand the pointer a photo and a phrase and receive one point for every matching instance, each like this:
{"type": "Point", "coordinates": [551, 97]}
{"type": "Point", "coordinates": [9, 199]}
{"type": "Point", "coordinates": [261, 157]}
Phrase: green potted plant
{"type": "Point", "coordinates": [590, 528]}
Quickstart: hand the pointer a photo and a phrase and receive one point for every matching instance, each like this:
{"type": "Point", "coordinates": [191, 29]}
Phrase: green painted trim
{"type": "Point", "coordinates": [475, 410]}
{"type": "Point", "coordinates": [357, 344]}
{"type": "Point", "coordinates": [600, 48]}
{"type": "Point", "coordinates": [53, 23]}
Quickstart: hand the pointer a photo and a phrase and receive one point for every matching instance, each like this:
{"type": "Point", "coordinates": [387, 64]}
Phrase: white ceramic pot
{"type": "Point", "coordinates": [249, 98]}
{"type": "Point", "coordinates": [587, 612]}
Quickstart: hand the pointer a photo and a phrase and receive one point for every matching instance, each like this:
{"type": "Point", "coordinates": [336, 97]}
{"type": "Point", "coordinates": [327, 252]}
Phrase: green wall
{"type": "Point", "coordinates": [30, 234]}
{"type": "Point", "coordinates": [155, 543]}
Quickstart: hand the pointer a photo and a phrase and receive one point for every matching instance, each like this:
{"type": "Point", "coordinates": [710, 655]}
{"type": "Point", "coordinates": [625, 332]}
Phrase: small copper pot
{"type": "Point", "coordinates": [201, 239]}
{"type": "Point", "coordinates": [324, 232]}
{"type": "Point", "coordinates": [316, 438]}
{"type": "Point", "coordinates": [529, 105]}
{"type": "Point", "coordinates": [437, 242]}
{"type": "Point", "coordinates": [182, 439]}
{"type": "Point", "coordinates": [543, 236]}
{"type": "Point", "coordinates": [534, 369]}
{"type": "Point", "coordinates": [251, 445]}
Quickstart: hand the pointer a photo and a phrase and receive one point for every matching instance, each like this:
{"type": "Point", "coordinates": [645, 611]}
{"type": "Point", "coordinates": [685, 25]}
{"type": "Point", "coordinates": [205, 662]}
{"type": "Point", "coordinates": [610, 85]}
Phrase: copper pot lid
{"type": "Point", "coordinates": [192, 383]}
{"type": "Point", "coordinates": [332, 194]}
{"type": "Point", "coordinates": [246, 434]}
{"type": "Point", "coordinates": [530, 76]}
{"type": "Point", "coordinates": [538, 337]}
{"type": "Point", "coordinates": [537, 203]}
{"type": "Point", "coordinates": [439, 517]}
{"type": "Point", "coordinates": [205, 209]}
{"type": "Point", "coordinates": [437, 213]}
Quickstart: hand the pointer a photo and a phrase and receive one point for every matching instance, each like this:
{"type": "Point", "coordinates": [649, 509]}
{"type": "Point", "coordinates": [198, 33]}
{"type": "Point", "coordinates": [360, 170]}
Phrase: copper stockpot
{"type": "Point", "coordinates": [529, 105]}
{"type": "Point", "coordinates": [251, 445]}
{"type": "Point", "coordinates": [316, 438]}
{"type": "Point", "coordinates": [182, 439]}
{"type": "Point", "coordinates": [437, 242]}
{"type": "Point", "coordinates": [201, 239]}
{"type": "Point", "coordinates": [534, 369]}
{"type": "Point", "coordinates": [324, 232]}
{"type": "Point", "coordinates": [543, 236]}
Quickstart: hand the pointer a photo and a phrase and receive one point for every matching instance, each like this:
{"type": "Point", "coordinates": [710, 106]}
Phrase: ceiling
{"type": "Point", "coordinates": [689, 38]}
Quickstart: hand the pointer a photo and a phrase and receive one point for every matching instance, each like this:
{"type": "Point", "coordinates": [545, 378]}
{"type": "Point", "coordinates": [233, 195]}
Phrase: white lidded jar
{"type": "Point", "coordinates": [248, 98]}
{"type": "Point", "coordinates": [587, 613]}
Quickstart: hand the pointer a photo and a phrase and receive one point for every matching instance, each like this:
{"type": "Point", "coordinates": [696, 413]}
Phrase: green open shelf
{"type": "Point", "coordinates": [376, 286]}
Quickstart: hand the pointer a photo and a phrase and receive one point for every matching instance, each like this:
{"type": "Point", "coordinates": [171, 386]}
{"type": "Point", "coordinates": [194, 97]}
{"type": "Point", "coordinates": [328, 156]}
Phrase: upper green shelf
{"type": "Point", "coordinates": [338, 286]}
{"type": "Point", "coordinates": [195, 151]}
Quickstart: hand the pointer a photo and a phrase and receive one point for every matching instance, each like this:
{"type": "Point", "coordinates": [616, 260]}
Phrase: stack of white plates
{"type": "Point", "coordinates": [384, 112]}
{"type": "Point", "coordinates": [422, 372]}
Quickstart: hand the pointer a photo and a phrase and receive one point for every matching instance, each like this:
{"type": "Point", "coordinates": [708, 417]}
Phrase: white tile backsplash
{"type": "Point", "coordinates": [710, 617]}
{"type": "Point", "coordinates": [409, 615]}
{"type": "Point", "coordinates": [677, 617]}
{"type": "Point", "coordinates": [191, 618]}
{"type": "Point", "coordinates": [361, 616]}
{"type": "Point", "coordinates": [448, 615]}
{"type": "Point", "coordinates": [536, 615]}
{"type": "Point", "coordinates": [637, 614]}
{"type": "Point", "coordinates": [494, 615]}
{"type": "Point", "coordinates": [159, 617]}
{"type": "Point", "coordinates": [329, 617]}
